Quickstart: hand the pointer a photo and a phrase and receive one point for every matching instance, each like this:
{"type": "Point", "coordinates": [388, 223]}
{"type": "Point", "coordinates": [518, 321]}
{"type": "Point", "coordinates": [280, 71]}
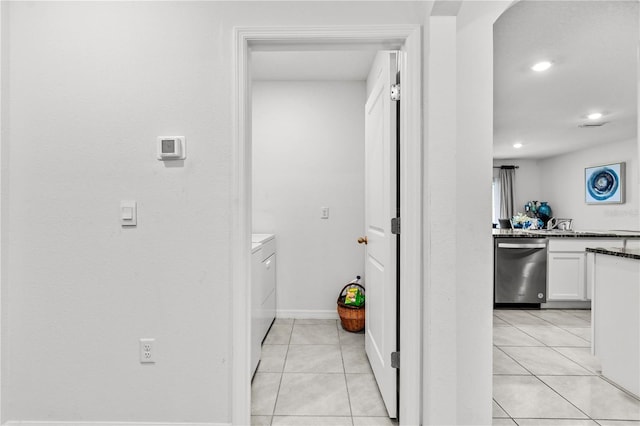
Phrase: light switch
{"type": "Point", "coordinates": [324, 213]}
{"type": "Point", "coordinates": [128, 213]}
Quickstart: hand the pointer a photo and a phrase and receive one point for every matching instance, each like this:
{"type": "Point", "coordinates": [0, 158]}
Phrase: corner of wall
{"type": "Point", "coordinates": [4, 163]}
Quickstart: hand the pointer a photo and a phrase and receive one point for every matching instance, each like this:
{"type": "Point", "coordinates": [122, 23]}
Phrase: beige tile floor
{"type": "Point", "coordinates": [314, 373]}
{"type": "Point", "coordinates": [544, 374]}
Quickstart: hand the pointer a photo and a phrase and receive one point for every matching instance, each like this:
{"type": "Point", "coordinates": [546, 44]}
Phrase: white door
{"type": "Point", "coordinates": [380, 208]}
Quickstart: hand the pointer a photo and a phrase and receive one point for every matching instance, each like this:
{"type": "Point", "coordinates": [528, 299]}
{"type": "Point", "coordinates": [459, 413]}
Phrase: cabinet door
{"type": "Point", "coordinates": [566, 280]}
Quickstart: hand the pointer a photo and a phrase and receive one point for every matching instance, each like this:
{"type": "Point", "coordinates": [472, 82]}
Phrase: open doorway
{"type": "Point", "coordinates": [406, 38]}
{"type": "Point", "coordinates": [308, 171]}
{"type": "Point", "coordinates": [324, 170]}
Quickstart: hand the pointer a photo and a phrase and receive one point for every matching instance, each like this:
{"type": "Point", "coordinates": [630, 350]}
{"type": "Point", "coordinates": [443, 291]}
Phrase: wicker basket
{"type": "Point", "coordinates": [351, 317]}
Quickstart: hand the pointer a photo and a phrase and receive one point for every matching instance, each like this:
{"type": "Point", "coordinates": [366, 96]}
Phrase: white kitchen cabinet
{"type": "Point", "coordinates": [566, 276]}
{"type": "Point", "coordinates": [263, 292]}
{"type": "Point", "coordinates": [567, 267]}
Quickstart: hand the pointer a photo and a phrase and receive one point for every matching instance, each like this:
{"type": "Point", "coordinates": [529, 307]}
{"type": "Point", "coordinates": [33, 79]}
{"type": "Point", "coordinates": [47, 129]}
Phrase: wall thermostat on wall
{"type": "Point", "coordinates": [171, 148]}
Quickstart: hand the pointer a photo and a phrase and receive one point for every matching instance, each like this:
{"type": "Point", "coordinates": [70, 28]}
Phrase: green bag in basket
{"type": "Point", "coordinates": [354, 297]}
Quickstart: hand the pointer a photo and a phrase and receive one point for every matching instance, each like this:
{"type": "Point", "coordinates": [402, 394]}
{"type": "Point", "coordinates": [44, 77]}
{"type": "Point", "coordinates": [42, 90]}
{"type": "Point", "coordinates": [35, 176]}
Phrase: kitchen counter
{"type": "Point", "coordinates": [537, 233]}
{"type": "Point", "coordinates": [618, 252]}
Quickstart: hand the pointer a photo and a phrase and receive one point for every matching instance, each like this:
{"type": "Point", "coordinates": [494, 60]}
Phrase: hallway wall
{"type": "Point", "coordinates": [90, 87]}
{"type": "Point", "coordinates": [458, 289]}
{"type": "Point", "coordinates": [308, 152]}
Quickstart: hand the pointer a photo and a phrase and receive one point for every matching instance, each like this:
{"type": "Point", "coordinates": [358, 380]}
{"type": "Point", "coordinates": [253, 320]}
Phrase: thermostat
{"type": "Point", "coordinates": [171, 148]}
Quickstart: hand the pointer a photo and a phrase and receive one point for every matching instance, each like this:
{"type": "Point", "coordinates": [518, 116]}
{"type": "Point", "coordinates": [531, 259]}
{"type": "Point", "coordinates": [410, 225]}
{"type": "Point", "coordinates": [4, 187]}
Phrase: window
{"type": "Point", "coordinates": [495, 192]}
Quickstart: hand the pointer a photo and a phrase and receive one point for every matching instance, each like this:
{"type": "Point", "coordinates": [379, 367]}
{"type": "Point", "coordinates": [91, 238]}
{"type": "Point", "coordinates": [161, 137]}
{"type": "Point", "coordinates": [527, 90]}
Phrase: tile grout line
{"type": "Point", "coordinates": [575, 362]}
{"type": "Point", "coordinates": [501, 407]}
{"type": "Point", "coordinates": [344, 370]}
{"type": "Point", "coordinates": [516, 361]}
{"type": "Point", "coordinates": [550, 346]}
{"type": "Point", "coordinates": [576, 316]}
{"type": "Point", "coordinates": [579, 337]}
{"type": "Point", "coordinates": [620, 388]}
{"type": "Point", "coordinates": [561, 327]}
{"type": "Point", "coordinates": [273, 412]}
{"type": "Point", "coordinates": [561, 396]}
{"type": "Point", "coordinates": [553, 348]}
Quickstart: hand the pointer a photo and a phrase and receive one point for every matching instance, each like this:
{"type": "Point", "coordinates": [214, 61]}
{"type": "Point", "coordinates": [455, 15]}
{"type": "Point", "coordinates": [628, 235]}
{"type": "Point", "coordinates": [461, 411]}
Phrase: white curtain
{"type": "Point", "coordinates": [507, 176]}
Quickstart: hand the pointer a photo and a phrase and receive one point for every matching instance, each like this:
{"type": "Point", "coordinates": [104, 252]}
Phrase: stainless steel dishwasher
{"type": "Point", "coordinates": [520, 270]}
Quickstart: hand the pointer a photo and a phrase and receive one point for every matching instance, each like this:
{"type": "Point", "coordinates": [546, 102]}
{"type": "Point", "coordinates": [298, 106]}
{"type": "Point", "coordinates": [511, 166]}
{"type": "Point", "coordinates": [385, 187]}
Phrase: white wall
{"type": "Point", "coordinates": [563, 186]}
{"type": "Point", "coordinates": [308, 153]}
{"type": "Point", "coordinates": [527, 183]}
{"type": "Point", "coordinates": [458, 244]}
{"type": "Point", "coordinates": [474, 243]}
{"type": "Point", "coordinates": [91, 85]}
{"type": "Point", "coordinates": [559, 180]}
{"type": "Point", "coordinates": [4, 185]}
{"type": "Point", "coordinates": [440, 319]}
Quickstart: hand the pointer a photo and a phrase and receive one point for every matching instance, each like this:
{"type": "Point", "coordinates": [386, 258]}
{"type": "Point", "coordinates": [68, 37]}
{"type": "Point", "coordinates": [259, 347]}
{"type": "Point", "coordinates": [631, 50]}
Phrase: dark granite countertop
{"type": "Point", "coordinates": [618, 252]}
{"type": "Point", "coordinates": [519, 233]}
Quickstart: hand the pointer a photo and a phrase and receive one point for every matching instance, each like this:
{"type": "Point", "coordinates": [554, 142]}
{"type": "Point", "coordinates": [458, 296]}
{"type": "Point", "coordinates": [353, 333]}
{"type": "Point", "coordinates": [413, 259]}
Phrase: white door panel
{"type": "Point", "coordinates": [380, 208]}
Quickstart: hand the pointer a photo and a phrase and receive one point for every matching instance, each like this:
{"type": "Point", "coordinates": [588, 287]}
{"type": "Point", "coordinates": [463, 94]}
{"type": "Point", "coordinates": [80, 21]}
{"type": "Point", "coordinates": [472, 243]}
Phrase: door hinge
{"type": "Point", "coordinates": [395, 359]}
{"type": "Point", "coordinates": [395, 92]}
{"type": "Point", "coordinates": [395, 226]}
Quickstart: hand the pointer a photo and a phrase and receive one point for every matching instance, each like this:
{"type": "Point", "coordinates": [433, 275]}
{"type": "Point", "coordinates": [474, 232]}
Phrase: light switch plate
{"type": "Point", "coordinates": [128, 213]}
{"type": "Point", "coordinates": [324, 212]}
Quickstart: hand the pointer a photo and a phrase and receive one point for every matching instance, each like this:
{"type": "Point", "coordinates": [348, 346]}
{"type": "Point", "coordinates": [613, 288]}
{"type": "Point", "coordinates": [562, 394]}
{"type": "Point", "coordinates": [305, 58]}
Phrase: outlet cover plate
{"type": "Point", "coordinates": [147, 351]}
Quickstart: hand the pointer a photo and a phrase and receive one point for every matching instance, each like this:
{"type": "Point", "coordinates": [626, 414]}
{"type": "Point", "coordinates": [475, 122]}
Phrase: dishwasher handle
{"type": "Point", "coordinates": [522, 246]}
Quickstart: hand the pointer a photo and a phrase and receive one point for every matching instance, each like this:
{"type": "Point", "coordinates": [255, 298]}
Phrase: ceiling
{"type": "Point", "coordinates": [593, 48]}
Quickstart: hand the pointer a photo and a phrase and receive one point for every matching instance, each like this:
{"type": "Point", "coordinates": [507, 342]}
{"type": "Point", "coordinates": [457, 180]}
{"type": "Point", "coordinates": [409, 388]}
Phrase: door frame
{"type": "Point", "coordinates": [409, 39]}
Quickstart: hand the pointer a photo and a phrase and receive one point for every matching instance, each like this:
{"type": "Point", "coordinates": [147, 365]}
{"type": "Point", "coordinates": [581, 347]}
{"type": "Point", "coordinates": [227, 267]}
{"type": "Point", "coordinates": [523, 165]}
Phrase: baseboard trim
{"type": "Point", "coordinates": [307, 314]}
{"type": "Point", "coordinates": [60, 423]}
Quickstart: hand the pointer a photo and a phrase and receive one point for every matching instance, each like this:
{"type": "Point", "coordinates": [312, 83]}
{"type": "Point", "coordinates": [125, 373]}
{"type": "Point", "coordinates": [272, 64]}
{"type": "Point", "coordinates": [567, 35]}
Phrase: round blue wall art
{"type": "Point", "coordinates": [603, 184]}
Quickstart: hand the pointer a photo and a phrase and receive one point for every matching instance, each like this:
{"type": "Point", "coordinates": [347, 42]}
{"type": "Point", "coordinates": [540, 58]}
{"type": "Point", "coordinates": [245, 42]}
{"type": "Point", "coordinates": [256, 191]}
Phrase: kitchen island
{"type": "Point", "coordinates": [616, 315]}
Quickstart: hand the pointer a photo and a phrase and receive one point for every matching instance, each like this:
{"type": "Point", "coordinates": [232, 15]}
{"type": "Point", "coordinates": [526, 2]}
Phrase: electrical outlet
{"type": "Point", "coordinates": [147, 351]}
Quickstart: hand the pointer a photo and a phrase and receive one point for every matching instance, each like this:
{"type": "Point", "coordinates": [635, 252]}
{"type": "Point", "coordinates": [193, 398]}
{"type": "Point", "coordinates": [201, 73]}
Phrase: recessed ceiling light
{"type": "Point", "coordinates": [594, 116]}
{"type": "Point", "coordinates": [541, 66]}
{"type": "Point", "coordinates": [517, 145]}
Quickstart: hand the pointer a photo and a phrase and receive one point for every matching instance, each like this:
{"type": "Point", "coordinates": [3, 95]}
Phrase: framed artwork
{"type": "Point", "coordinates": [604, 184]}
